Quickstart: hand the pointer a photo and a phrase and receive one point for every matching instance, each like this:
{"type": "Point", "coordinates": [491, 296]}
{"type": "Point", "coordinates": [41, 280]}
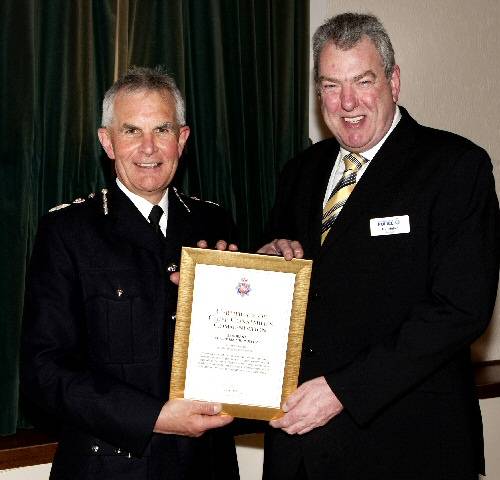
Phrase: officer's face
{"type": "Point", "coordinates": [357, 99]}
{"type": "Point", "coordinates": [145, 141]}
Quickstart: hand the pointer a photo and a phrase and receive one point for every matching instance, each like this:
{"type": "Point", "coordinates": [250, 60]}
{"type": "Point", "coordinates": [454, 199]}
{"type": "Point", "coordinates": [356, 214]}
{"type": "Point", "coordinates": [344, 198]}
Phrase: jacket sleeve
{"type": "Point", "coordinates": [55, 373]}
{"type": "Point", "coordinates": [463, 277]}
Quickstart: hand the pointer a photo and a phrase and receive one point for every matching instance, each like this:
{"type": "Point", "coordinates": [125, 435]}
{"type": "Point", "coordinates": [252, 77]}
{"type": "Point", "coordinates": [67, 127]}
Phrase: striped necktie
{"type": "Point", "coordinates": [340, 194]}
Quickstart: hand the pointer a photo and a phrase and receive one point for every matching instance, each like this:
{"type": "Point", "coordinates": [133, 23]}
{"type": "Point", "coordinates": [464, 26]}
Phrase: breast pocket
{"type": "Point", "coordinates": [122, 312]}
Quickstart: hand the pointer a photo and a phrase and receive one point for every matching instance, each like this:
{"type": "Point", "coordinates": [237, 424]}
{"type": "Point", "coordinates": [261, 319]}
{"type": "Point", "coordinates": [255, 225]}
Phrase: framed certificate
{"type": "Point", "coordinates": [239, 329]}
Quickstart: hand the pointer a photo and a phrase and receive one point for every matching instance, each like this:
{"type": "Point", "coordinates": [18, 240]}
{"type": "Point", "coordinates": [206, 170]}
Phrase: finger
{"type": "Point", "coordinates": [221, 245]}
{"type": "Point", "coordinates": [175, 277]}
{"type": "Point", "coordinates": [268, 249]}
{"type": "Point", "coordinates": [294, 425]}
{"type": "Point", "coordinates": [305, 430]}
{"type": "Point", "coordinates": [276, 423]}
{"type": "Point", "coordinates": [298, 251]}
{"type": "Point", "coordinates": [233, 247]}
{"type": "Point", "coordinates": [291, 430]}
{"type": "Point", "coordinates": [285, 421]}
{"type": "Point", "coordinates": [202, 244]}
{"type": "Point", "coordinates": [284, 247]}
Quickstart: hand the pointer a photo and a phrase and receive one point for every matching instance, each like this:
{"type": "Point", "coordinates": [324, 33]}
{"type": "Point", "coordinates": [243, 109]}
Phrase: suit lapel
{"type": "Point", "coordinates": [320, 179]}
{"type": "Point", "coordinates": [378, 179]}
{"type": "Point", "coordinates": [125, 221]}
{"type": "Point", "coordinates": [178, 226]}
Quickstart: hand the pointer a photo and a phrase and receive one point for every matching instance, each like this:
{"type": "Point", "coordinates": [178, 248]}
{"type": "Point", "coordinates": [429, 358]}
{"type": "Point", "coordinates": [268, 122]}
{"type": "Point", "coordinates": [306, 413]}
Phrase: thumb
{"type": "Point", "coordinates": [292, 400]}
{"type": "Point", "coordinates": [207, 408]}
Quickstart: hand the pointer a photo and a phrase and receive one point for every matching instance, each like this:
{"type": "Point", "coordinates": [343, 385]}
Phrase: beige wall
{"type": "Point", "coordinates": [449, 54]}
{"type": "Point", "coordinates": [448, 51]}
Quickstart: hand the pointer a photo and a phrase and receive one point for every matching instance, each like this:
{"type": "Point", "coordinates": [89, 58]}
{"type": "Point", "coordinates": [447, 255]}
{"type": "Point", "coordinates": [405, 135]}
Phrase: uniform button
{"type": "Point", "coordinates": [118, 451]}
{"type": "Point", "coordinates": [94, 448]}
{"type": "Point", "coordinates": [172, 267]}
{"type": "Point", "coordinates": [173, 317]}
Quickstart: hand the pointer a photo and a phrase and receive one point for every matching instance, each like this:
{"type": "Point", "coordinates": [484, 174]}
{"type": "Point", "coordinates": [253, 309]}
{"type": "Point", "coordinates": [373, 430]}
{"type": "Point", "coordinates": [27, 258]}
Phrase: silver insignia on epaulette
{"type": "Point", "coordinates": [200, 200]}
{"type": "Point", "coordinates": [91, 195]}
{"type": "Point", "coordinates": [59, 207]}
{"type": "Point", "coordinates": [78, 200]}
{"type": "Point", "coordinates": [180, 199]}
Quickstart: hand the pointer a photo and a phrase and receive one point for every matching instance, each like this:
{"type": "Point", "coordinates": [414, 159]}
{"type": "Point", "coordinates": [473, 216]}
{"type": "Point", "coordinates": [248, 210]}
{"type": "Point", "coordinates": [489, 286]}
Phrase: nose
{"type": "Point", "coordinates": [148, 145]}
{"type": "Point", "coordinates": [348, 98]}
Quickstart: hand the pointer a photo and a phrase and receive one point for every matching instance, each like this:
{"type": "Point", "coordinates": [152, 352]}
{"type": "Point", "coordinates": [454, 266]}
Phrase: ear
{"type": "Point", "coordinates": [107, 144]}
{"type": "Point", "coordinates": [183, 136]}
{"type": "Point", "coordinates": [395, 82]}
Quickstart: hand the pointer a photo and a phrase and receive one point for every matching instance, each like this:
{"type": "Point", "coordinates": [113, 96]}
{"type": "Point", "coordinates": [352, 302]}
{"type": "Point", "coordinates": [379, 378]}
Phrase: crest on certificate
{"type": "Point", "coordinates": [243, 288]}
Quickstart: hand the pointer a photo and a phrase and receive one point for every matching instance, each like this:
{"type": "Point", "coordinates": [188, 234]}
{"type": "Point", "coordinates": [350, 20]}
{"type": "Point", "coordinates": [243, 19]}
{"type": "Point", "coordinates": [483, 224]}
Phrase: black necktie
{"type": "Point", "coordinates": [154, 218]}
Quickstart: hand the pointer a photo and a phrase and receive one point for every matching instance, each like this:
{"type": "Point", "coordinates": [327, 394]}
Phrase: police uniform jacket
{"type": "Point", "coordinates": [98, 337]}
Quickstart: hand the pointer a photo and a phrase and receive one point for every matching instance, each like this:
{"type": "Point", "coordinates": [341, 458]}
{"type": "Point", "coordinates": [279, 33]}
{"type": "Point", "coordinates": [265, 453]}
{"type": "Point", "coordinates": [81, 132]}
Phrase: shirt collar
{"type": "Point", "coordinates": [143, 205]}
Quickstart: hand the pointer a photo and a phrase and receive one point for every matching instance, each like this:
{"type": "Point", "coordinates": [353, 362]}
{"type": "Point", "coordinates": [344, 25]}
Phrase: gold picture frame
{"type": "Point", "coordinates": [193, 259]}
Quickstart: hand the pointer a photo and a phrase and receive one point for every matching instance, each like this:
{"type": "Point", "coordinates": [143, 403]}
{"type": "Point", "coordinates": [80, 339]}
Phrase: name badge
{"type": "Point", "coordinates": [389, 225]}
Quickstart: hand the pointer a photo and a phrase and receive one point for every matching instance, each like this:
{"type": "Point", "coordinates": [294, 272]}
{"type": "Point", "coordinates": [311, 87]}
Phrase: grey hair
{"type": "Point", "coordinates": [346, 30]}
{"type": "Point", "coordinates": [143, 78]}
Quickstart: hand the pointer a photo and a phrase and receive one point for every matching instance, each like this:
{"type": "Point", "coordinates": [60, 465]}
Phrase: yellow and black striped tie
{"type": "Point", "coordinates": [340, 194]}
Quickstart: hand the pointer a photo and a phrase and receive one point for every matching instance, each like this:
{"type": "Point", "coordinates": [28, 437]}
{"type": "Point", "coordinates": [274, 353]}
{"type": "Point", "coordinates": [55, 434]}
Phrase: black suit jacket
{"type": "Point", "coordinates": [390, 318]}
{"type": "Point", "coordinates": [98, 337]}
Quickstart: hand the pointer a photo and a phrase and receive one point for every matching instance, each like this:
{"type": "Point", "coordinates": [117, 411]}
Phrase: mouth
{"type": "Point", "coordinates": [148, 165]}
{"type": "Point", "coordinates": [353, 121]}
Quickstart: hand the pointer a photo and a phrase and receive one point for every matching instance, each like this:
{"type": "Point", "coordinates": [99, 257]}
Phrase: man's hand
{"type": "Point", "coordinates": [286, 248]}
{"type": "Point", "coordinates": [220, 245]}
{"type": "Point", "coordinates": [189, 417]}
{"type": "Point", "coordinates": [312, 405]}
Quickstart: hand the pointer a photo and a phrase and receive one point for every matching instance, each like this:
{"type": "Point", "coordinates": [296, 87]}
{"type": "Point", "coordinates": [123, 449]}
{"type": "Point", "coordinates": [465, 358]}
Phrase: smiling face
{"type": "Point", "coordinates": [357, 100]}
{"type": "Point", "coordinates": [145, 141]}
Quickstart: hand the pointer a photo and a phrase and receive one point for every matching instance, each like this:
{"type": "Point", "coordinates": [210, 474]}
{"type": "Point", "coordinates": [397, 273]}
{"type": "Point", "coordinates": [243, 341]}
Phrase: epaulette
{"type": "Point", "coordinates": [59, 207]}
{"type": "Point", "coordinates": [192, 198]}
{"type": "Point", "coordinates": [178, 195]}
{"type": "Point", "coordinates": [64, 205]}
{"type": "Point", "coordinates": [204, 201]}
{"type": "Point", "coordinates": [78, 200]}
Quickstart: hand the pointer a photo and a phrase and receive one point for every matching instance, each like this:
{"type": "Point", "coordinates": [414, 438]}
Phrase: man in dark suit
{"type": "Point", "coordinates": [402, 224]}
{"type": "Point", "coordinates": [100, 306]}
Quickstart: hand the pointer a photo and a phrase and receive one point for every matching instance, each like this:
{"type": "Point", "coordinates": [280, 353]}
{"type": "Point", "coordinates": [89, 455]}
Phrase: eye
{"type": "Point", "coordinates": [131, 131]}
{"type": "Point", "coordinates": [365, 82]}
{"type": "Point", "coordinates": [163, 130]}
{"type": "Point", "coordinates": [329, 87]}
{"type": "Point", "coordinates": [167, 129]}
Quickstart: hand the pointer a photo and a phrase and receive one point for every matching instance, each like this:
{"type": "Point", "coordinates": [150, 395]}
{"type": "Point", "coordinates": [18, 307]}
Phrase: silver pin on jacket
{"type": "Point", "coordinates": [104, 192]}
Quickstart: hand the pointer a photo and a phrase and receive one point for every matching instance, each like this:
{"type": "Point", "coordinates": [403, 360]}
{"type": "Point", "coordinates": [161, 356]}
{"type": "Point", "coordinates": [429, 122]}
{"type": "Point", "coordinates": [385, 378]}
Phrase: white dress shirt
{"type": "Point", "coordinates": [145, 207]}
{"type": "Point", "coordinates": [338, 166]}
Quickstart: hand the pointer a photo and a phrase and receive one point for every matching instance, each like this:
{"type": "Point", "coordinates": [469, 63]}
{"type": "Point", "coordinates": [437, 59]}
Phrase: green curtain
{"type": "Point", "coordinates": [56, 58]}
{"type": "Point", "coordinates": [242, 64]}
